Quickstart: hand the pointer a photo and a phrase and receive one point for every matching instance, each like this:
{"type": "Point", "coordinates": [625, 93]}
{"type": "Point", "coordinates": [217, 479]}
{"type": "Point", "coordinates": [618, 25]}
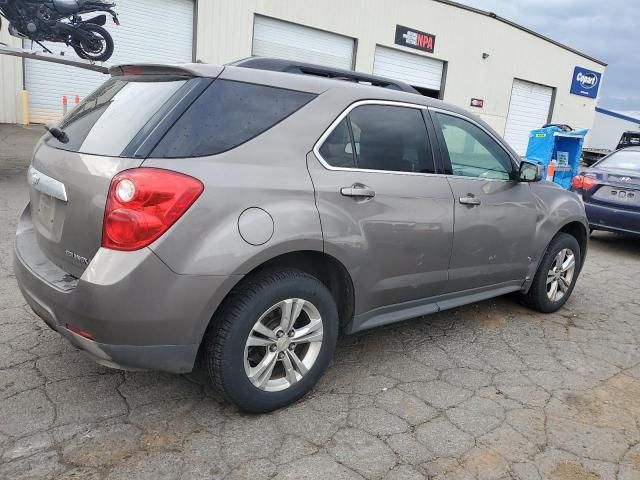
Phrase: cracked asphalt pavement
{"type": "Point", "coordinates": [489, 391]}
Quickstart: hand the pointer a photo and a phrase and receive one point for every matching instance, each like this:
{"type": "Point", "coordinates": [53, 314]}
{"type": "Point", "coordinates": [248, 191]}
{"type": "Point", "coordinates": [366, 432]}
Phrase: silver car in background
{"type": "Point", "coordinates": [246, 214]}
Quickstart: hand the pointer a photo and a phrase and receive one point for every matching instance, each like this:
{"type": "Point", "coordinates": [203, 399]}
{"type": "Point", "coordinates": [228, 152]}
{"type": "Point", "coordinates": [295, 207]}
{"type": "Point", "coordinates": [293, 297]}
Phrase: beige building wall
{"type": "Point", "coordinates": [225, 34]}
{"type": "Point", "coordinates": [10, 81]}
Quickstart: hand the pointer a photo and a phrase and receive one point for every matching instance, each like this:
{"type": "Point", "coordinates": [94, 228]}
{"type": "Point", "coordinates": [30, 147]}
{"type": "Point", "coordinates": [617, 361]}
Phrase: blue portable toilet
{"type": "Point", "coordinates": [553, 143]}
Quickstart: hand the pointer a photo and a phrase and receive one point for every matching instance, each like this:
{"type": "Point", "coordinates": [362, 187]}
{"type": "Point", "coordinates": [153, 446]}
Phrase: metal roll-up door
{"type": "Point", "coordinates": [528, 110]}
{"type": "Point", "coordinates": [416, 70]}
{"type": "Point", "coordinates": [280, 39]}
{"type": "Point", "coordinates": [151, 31]}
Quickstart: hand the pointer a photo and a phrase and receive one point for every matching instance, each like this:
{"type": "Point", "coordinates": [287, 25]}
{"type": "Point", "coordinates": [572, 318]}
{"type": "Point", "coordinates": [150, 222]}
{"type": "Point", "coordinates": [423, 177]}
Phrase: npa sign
{"type": "Point", "coordinates": [408, 37]}
{"type": "Point", "coordinates": [585, 82]}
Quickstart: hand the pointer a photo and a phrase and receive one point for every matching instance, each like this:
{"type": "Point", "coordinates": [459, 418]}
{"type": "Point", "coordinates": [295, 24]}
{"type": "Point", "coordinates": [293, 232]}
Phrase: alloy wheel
{"type": "Point", "coordinates": [561, 274]}
{"type": "Point", "coordinates": [283, 345]}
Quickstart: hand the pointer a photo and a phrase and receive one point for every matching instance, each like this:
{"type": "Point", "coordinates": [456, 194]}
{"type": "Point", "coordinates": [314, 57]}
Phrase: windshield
{"type": "Point", "coordinates": [623, 159]}
{"type": "Point", "coordinates": [109, 119]}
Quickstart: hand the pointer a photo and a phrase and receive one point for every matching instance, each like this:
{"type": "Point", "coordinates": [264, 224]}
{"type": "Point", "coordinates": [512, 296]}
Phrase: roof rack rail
{"type": "Point", "coordinates": [279, 65]}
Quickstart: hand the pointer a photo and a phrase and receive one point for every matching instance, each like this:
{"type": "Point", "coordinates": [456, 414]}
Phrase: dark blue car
{"type": "Point", "coordinates": [611, 192]}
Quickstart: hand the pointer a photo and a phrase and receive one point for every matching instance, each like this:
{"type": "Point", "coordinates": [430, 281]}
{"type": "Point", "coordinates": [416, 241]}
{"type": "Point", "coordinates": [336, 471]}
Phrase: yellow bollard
{"type": "Point", "coordinates": [25, 107]}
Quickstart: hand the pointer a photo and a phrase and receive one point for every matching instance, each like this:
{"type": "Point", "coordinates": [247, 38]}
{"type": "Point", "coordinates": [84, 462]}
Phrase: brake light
{"type": "Point", "coordinates": [583, 182]}
{"type": "Point", "coordinates": [143, 204]}
{"type": "Point", "coordinates": [130, 70]}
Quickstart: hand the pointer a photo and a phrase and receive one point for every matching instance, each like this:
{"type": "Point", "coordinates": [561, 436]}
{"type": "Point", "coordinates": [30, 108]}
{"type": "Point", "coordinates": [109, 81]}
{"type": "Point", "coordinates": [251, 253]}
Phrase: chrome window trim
{"type": "Point", "coordinates": [336, 122]}
{"type": "Point", "coordinates": [350, 108]}
{"type": "Point", "coordinates": [47, 185]}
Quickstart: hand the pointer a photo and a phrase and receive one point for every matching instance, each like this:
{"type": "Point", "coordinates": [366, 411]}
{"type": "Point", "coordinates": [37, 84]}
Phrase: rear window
{"type": "Point", "coordinates": [623, 159]}
{"type": "Point", "coordinates": [226, 115]}
{"type": "Point", "coordinates": [109, 119]}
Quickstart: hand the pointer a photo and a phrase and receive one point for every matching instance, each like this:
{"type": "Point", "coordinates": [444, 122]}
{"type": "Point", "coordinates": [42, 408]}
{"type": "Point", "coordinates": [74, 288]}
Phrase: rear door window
{"type": "Point", "coordinates": [380, 137]}
{"type": "Point", "coordinates": [391, 138]}
{"type": "Point", "coordinates": [109, 119]}
{"type": "Point", "coordinates": [226, 115]}
{"type": "Point", "coordinates": [337, 149]}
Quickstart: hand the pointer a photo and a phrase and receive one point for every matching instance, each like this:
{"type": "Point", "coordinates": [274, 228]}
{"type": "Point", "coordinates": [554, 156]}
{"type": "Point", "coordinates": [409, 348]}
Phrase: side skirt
{"type": "Point", "coordinates": [417, 308]}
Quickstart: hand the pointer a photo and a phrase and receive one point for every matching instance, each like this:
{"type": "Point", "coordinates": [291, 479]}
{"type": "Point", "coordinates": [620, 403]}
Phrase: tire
{"type": "Point", "coordinates": [83, 50]}
{"type": "Point", "coordinates": [539, 296]}
{"type": "Point", "coordinates": [230, 361]}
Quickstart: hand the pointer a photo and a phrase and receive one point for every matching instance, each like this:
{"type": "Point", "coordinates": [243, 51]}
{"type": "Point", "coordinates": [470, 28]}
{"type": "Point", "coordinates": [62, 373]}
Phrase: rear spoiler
{"type": "Point", "coordinates": [47, 57]}
{"type": "Point", "coordinates": [148, 69]}
{"type": "Point", "coordinates": [180, 70]}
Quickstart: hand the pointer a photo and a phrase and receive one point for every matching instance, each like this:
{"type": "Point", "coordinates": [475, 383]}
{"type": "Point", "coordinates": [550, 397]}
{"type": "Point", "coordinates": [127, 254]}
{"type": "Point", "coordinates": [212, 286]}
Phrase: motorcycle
{"type": "Point", "coordinates": [60, 21]}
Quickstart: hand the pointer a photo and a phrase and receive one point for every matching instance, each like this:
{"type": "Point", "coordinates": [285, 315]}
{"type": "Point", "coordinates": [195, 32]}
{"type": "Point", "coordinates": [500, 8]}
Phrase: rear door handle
{"type": "Point", "coordinates": [358, 190]}
{"type": "Point", "coordinates": [470, 201]}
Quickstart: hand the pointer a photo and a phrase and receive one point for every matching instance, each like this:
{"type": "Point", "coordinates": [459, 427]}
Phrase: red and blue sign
{"type": "Point", "coordinates": [585, 83]}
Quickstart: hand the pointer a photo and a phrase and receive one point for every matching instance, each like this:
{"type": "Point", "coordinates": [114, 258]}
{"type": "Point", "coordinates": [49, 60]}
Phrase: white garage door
{"type": "Point", "coordinates": [151, 31]}
{"type": "Point", "coordinates": [416, 70]}
{"type": "Point", "coordinates": [278, 39]}
{"type": "Point", "coordinates": [529, 109]}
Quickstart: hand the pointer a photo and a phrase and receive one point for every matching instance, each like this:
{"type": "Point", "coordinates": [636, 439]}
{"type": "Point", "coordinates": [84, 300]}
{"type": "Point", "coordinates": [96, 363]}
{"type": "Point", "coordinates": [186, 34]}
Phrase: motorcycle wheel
{"type": "Point", "coordinates": [99, 48]}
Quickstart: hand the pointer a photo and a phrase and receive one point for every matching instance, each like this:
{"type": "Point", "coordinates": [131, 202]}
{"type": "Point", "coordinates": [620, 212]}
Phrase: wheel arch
{"type": "Point", "coordinates": [579, 231]}
{"type": "Point", "coordinates": [326, 268]}
{"type": "Point", "coordinates": [574, 227]}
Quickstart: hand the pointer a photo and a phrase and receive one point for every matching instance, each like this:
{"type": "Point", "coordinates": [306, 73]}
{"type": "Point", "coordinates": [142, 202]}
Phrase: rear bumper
{"type": "Point", "coordinates": [602, 217]}
{"type": "Point", "coordinates": [139, 313]}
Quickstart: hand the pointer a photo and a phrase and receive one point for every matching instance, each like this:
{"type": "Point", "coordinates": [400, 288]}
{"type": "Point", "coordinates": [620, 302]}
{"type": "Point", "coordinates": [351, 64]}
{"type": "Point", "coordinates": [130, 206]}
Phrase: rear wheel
{"type": "Point", "coordinates": [272, 340]}
{"type": "Point", "coordinates": [556, 276]}
{"type": "Point", "coordinates": [98, 47]}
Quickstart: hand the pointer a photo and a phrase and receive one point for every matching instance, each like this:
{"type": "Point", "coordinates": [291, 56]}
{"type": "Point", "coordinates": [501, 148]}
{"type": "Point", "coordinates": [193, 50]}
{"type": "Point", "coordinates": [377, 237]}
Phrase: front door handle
{"type": "Point", "coordinates": [470, 200]}
{"type": "Point", "coordinates": [358, 190]}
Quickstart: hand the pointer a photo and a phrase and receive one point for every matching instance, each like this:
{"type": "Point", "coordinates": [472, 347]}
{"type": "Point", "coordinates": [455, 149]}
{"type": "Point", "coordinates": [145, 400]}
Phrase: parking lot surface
{"type": "Point", "coordinates": [488, 391]}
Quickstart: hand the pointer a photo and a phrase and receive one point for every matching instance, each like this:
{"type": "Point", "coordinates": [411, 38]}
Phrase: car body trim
{"type": "Point", "coordinates": [47, 185]}
{"type": "Point", "coordinates": [389, 314]}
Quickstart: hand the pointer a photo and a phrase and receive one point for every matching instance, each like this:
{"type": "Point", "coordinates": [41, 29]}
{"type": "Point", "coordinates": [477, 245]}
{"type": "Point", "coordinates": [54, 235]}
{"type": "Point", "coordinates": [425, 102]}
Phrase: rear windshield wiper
{"type": "Point", "coordinates": [58, 134]}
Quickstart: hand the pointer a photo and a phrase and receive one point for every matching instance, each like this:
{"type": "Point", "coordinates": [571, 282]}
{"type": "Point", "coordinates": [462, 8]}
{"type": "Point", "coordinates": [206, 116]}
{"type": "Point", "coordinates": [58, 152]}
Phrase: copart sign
{"type": "Point", "coordinates": [586, 83]}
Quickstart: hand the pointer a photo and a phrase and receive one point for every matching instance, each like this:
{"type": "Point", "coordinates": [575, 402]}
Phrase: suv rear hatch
{"type": "Point", "coordinates": [112, 130]}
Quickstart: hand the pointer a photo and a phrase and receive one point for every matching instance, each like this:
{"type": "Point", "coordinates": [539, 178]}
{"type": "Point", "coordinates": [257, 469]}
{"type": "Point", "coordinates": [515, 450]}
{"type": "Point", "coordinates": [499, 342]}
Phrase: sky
{"type": "Point", "coordinates": [608, 30]}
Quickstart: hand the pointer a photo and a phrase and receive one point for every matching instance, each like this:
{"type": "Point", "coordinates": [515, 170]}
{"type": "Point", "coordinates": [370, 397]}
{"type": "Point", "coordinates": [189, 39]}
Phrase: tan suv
{"type": "Point", "coordinates": [250, 212]}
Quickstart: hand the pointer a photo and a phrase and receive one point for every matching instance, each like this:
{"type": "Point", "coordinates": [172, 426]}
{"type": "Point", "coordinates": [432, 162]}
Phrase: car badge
{"type": "Point", "coordinates": [35, 179]}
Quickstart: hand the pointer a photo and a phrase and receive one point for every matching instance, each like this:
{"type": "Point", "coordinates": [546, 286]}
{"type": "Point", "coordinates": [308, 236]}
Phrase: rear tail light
{"type": "Point", "coordinates": [143, 204]}
{"type": "Point", "coordinates": [583, 182]}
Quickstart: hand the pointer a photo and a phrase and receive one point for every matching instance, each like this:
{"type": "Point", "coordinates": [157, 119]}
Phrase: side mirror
{"type": "Point", "coordinates": [529, 172]}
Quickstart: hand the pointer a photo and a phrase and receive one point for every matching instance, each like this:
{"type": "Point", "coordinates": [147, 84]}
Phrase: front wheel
{"type": "Point", "coordinates": [97, 46]}
{"type": "Point", "coordinates": [556, 276]}
{"type": "Point", "coordinates": [272, 339]}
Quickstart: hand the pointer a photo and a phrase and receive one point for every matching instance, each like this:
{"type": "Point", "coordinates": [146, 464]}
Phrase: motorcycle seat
{"type": "Point", "coordinates": [66, 7]}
